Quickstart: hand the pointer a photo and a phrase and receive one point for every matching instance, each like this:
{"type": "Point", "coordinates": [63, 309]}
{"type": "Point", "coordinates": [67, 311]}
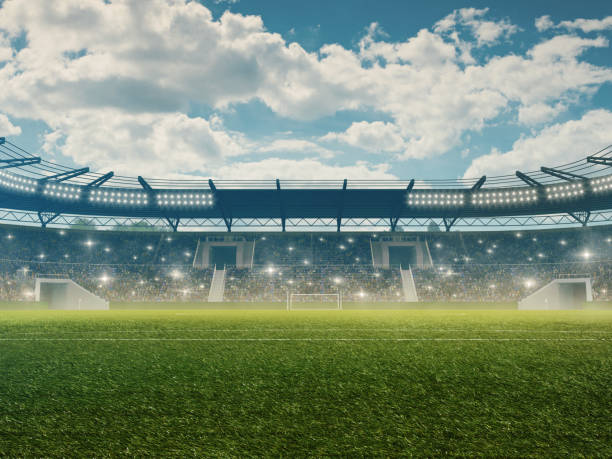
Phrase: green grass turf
{"type": "Point", "coordinates": [273, 383]}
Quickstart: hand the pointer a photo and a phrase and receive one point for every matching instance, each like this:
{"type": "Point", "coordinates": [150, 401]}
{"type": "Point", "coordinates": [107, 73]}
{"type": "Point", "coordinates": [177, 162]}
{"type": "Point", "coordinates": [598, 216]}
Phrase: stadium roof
{"type": "Point", "coordinates": [32, 189]}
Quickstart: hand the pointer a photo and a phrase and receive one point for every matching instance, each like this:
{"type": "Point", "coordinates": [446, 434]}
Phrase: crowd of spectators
{"type": "Point", "coordinates": [158, 266]}
{"type": "Point", "coordinates": [274, 283]}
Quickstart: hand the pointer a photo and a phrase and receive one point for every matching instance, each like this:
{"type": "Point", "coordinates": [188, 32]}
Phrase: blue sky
{"type": "Point", "coordinates": [319, 89]}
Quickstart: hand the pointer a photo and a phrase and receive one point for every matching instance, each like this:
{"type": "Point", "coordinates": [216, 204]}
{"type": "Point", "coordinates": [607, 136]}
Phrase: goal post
{"type": "Point", "coordinates": [314, 302]}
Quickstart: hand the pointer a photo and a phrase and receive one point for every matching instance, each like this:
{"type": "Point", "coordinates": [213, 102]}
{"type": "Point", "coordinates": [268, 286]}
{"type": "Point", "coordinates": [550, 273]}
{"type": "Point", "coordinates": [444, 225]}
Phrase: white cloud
{"type": "Point", "coordinates": [486, 32]}
{"type": "Point", "coordinates": [585, 25]}
{"type": "Point", "coordinates": [153, 145]}
{"type": "Point", "coordinates": [103, 76]}
{"type": "Point", "coordinates": [303, 169]}
{"type": "Point", "coordinates": [559, 143]}
{"type": "Point", "coordinates": [539, 113]}
{"type": "Point", "coordinates": [7, 128]}
{"type": "Point", "coordinates": [544, 23]}
{"type": "Point", "coordinates": [280, 146]}
{"type": "Point", "coordinates": [375, 137]}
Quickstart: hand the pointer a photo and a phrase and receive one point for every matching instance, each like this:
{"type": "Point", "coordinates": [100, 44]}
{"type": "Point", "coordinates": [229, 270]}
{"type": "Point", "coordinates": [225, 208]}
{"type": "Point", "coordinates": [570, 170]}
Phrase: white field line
{"type": "Point", "coordinates": [305, 339]}
{"type": "Point", "coordinates": [257, 330]}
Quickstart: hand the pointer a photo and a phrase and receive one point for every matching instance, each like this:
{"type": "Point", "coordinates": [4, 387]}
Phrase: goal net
{"type": "Point", "coordinates": [314, 302]}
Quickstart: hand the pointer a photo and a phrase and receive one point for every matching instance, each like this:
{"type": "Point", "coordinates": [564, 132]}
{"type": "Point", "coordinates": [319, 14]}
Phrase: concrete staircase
{"type": "Point", "coordinates": [217, 286]}
{"type": "Point", "coordinates": [408, 286]}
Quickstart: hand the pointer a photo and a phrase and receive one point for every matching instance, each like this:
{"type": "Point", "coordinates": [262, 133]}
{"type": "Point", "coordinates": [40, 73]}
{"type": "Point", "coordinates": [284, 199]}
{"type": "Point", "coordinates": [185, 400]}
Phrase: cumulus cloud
{"type": "Point", "coordinates": [585, 25]}
{"type": "Point", "coordinates": [281, 146]}
{"type": "Point", "coordinates": [114, 81]}
{"type": "Point", "coordinates": [486, 32]}
{"type": "Point", "coordinates": [7, 128]}
{"type": "Point", "coordinates": [559, 143]}
{"type": "Point", "coordinates": [153, 145]}
{"type": "Point", "coordinates": [375, 137]}
{"type": "Point", "coordinates": [304, 169]}
{"type": "Point", "coordinates": [539, 113]}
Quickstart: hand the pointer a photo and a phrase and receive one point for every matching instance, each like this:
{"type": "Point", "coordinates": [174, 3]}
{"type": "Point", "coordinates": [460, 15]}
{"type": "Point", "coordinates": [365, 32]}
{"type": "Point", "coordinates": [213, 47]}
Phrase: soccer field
{"type": "Point", "coordinates": [333, 383]}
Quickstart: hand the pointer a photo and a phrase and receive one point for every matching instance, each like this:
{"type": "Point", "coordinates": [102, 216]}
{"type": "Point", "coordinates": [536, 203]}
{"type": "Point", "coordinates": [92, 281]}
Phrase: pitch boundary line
{"type": "Point", "coordinates": [304, 339]}
{"type": "Point", "coordinates": [242, 330]}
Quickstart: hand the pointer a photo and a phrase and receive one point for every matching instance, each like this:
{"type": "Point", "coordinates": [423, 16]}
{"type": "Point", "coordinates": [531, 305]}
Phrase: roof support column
{"type": "Point", "coordinates": [281, 204]}
{"type": "Point", "coordinates": [581, 217]}
{"type": "Point", "coordinates": [47, 217]}
{"type": "Point", "coordinates": [449, 222]}
{"type": "Point", "coordinates": [341, 206]}
{"type": "Point", "coordinates": [173, 222]}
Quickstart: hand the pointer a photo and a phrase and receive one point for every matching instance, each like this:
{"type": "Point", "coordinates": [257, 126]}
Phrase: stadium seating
{"type": "Point", "coordinates": [154, 266]}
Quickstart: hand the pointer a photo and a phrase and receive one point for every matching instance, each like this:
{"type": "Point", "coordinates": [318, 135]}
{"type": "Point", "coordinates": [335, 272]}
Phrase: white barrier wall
{"type": "Point", "coordinates": [67, 294]}
{"type": "Point", "coordinates": [559, 294]}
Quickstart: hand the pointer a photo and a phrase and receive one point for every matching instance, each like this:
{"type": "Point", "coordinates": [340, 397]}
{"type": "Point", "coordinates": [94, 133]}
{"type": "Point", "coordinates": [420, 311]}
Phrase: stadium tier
{"type": "Point", "coordinates": [124, 266]}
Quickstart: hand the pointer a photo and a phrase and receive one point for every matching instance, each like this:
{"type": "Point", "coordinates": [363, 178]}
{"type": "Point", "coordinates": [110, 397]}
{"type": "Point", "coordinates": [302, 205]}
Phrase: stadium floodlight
{"type": "Point", "coordinates": [270, 270]}
{"type": "Point", "coordinates": [562, 242]}
{"type": "Point", "coordinates": [306, 262]}
{"type": "Point", "coordinates": [89, 243]}
{"type": "Point", "coordinates": [9, 236]}
{"type": "Point", "coordinates": [586, 254]}
{"type": "Point", "coordinates": [104, 278]}
{"type": "Point", "coordinates": [337, 280]}
{"type": "Point", "coordinates": [176, 274]}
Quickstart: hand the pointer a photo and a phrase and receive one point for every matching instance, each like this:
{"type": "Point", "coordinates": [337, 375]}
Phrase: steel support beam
{"type": "Point", "coordinates": [46, 218]}
{"type": "Point", "coordinates": [564, 175]}
{"type": "Point", "coordinates": [144, 184]}
{"type": "Point", "coordinates": [604, 161]}
{"type": "Point", "coordinates": [18, 162]}
{"type": "Point", "coordinates": [101, 180]}
{"type": "Point", "coordinates": [341, 206]}
{"type": "Point", "coordinates": [281, 204]}
{"type": "Point", "coordinates": [219, 201]}
{"type": "Point", "coordinates": [528, 180]}
{"type": "Point", "coordinates": [395, 218]}
{"type": "Point", "coordinates": [449, 222]}
{"type": "Point", "coordinates": [2, 140]}
{"type": "Point", "coordinates": [582, 217]}
{"type": "Point", "coordinates": [65, 175]}
{"type": "Point", "coordinates": [173, 222]}
{"type": "Point", "coordinates": [478, 185]}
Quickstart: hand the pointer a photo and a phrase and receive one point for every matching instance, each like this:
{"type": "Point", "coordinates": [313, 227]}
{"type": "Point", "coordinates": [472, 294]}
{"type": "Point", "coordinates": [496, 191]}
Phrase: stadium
{"type": "Point", "coordinates": [318, 264]}
{"type": "Point", "coordinates": [305, 229]}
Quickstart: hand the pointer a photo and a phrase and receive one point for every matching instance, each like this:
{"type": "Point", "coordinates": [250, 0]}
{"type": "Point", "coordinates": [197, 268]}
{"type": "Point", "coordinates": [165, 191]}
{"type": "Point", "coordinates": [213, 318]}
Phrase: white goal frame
{"type": "Point", "coordinates": [291, 305]}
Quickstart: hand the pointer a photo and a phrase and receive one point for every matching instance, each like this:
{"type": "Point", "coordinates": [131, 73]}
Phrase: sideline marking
{"type": "Point", "coordinates": [241, 330]}
{"type": "Point", "coordinates": [304, 339]}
